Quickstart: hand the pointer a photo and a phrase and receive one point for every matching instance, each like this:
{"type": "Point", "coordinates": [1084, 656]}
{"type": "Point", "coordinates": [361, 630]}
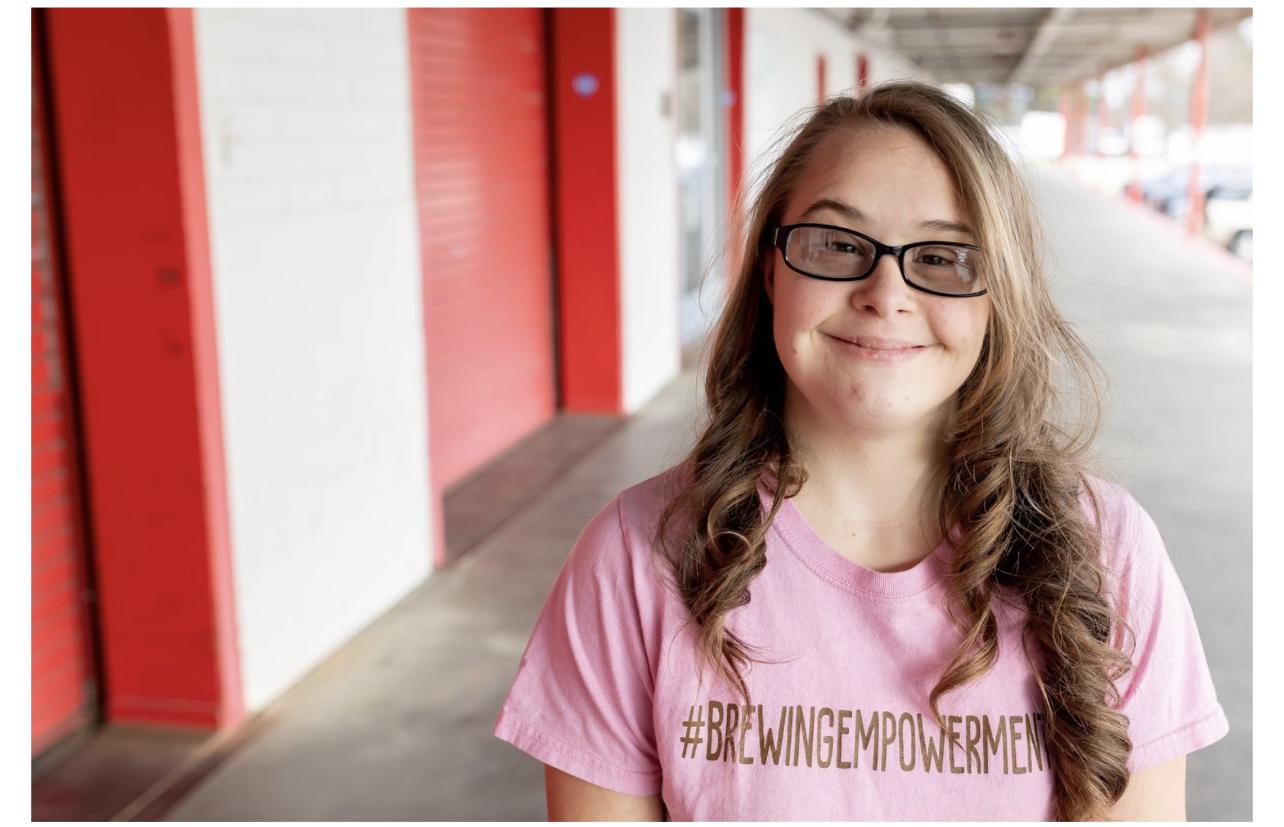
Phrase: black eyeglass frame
{"type": "Point", "coordinates": [780, 241]}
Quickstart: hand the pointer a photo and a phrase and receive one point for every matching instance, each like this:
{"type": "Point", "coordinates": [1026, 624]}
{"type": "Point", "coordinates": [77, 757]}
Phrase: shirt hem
{"type": "Point", "coordinates": [1195, 735]}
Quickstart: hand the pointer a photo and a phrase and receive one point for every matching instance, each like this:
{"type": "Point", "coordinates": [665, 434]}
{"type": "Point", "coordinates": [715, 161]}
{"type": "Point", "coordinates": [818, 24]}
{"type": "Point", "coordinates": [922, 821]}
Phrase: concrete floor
{"type": "Point", "coordinates": [397, 724]}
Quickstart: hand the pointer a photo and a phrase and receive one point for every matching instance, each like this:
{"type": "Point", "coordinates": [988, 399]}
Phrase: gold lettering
{"type": "Point", "coordinates": [901, 740]}
{"type": "Point", "coordinates": [973, 729]}
{"type": "Point", "coordinates": [888, 735]}
{"type": "Point", "coordinates": [1033, 735]}
{"type": "Point", "coordinates": [826, 741]}
{"type": "Point", "coordinates": [866, 738]}
{"type": "Point", "coordinates": [932, 750]}
{"type": "Point", "coordinates": [842, 730]}
{"type": "Point", "coordinates": [800, 735]}
{"type": "Point", "coordinates": [994, 740]}
{"type": "Point", "coordinates": [711, 752]}
{"type": "Point", "coordinates": [745, 757]}
{"type": "Point", "coordinates": [954, 740]}
{"type": "Point", "coordinates": [1014, 727]}
{"type": "Point", "coordinates": [733, 718]}
{"type": "Point", "coordinates": [789, 737]}
{"type": "Point", "coordinates": [769, 741]}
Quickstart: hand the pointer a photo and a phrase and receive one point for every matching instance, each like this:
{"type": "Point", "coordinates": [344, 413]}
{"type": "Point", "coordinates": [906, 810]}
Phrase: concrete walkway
{"type": "Point", "coordinates": [397, 724]}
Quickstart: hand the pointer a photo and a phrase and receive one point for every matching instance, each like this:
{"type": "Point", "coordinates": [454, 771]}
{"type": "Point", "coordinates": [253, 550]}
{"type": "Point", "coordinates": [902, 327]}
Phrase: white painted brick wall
{"type": "Point", "coordinates": [309, 170]}
{"type": "Point", "coordinates": [650, 269]}
{"type": "Point", "coordinates": [781, 46]}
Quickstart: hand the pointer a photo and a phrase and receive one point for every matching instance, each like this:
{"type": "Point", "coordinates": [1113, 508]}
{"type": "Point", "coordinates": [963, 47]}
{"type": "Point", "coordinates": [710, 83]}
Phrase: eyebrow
{"type": "Point", "coordinates": [856, 215]}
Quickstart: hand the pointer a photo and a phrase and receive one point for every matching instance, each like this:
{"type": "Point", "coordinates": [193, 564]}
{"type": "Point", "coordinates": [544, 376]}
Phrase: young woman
{"type": "Point", "coordinates": [883, 584]}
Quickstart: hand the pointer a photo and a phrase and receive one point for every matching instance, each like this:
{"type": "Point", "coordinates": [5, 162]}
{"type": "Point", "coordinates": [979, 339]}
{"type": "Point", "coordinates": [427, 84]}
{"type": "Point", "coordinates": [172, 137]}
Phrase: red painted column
{"type": "Point", "coordinates": [133, 195]}
{"type": "Point", "coordinates": [820, 79]}
{"type": "Point", "coordinates": [734, 95]}
{"type": "Point", "coordinates": [1103, 113]}
{"type": "Point", "coordinates": [862, 72]}
{"type": "Point", "coordinates": [735, 40]}
{"type": "Point", "coordinates": [1065, 106]}
{"type": "Point", "coordinates": [1198, 116]}
{"type": "Point", "coordinates": [1081, 120]}
{"type": "Point", "coordinates": [1138, 111]}
{"type": "Point", "coordinates": [586, 188]}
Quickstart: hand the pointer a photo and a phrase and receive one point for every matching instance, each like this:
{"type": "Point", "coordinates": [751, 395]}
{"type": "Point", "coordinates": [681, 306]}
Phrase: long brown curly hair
{"type": "Point", "coordinates": [1017, 464]}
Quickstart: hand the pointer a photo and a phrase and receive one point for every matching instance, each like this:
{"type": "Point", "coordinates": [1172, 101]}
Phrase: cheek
{"type": "Point", "coordinates": [963, 331]}
{"type": "Point", "coordinates": [796, 312]}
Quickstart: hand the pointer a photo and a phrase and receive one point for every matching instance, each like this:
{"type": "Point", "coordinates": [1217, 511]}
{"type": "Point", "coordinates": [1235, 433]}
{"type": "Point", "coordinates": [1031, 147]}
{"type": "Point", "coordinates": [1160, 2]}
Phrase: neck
{"type": "Point", "coordinates": [878, 479]}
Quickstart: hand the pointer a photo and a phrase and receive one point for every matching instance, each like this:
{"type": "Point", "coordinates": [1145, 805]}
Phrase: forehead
{"type": "Point", "coordinates": [889, 173]}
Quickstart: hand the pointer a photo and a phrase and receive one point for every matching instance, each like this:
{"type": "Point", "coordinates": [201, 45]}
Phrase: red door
{"type": "Point", "coordinates": [479, 99]}
{"type": "Point", "coordinates": [62, 671]}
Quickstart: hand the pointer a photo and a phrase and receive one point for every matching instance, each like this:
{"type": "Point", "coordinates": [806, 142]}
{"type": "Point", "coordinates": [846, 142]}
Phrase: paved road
{"type": "Point", "coordinates": [397, 724]}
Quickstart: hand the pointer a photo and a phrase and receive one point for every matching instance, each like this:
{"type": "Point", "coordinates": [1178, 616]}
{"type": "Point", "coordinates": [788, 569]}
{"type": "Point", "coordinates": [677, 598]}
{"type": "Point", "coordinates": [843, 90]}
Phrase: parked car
{"type": "Point", "coordinates": [1169, 193]}
{"type": "Point", "coordinates": [1228, 218]}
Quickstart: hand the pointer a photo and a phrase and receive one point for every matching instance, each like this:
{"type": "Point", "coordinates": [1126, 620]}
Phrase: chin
{"type": "Point", "coordinates": [882, 418]}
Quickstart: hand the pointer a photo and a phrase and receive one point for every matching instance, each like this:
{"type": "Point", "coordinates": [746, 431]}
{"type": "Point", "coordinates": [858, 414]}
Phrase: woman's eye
{"type": "Point", "coordinates": [840, 247]}
{"type": "Point", "coordinates": [933, 260]}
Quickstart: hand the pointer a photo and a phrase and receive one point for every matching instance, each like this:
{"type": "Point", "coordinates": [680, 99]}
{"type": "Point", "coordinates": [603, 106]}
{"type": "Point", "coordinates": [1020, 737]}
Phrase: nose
{"type": "Point", "coordinates": [883, 291]}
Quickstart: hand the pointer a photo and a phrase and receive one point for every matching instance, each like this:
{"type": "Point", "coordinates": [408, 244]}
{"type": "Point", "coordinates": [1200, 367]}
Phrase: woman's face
{"type": "Point", "coordinates": [894, 183]}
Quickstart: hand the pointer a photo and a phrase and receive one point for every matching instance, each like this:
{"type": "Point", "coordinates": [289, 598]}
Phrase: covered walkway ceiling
{"type": "Point", "coordinates": [1038, 46]}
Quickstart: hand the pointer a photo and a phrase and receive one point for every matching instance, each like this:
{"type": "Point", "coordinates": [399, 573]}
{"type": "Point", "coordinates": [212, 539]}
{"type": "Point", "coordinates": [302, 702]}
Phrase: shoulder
{"type": "Point", "coordinates": [642, 504]}
{"type": "Point", "coordinates": [619, 539]}
{"type": "Point", "coordinates": [1124, 522]}
{"type": "Point", "coordinates": [1133, 551]}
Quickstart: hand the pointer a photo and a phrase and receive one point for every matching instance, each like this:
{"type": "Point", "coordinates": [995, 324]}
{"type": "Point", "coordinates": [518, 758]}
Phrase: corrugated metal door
{"type": "Point", "coordinates": [478, 81]}
{"type": "Point", "coordinates": [62, 670]}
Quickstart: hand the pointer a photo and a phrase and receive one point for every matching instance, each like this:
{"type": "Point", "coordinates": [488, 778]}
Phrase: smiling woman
{"type": "Point", "coordinates": [915, 599]}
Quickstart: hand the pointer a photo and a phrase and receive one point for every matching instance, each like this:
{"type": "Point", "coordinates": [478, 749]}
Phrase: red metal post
{"type": "Point", "coordinates": [587, 185]}
{"type": "Point", "coordinates": [1138, 111]}
{"type": "Point", "coordinates": [1079, 116]}
{"type": "Point", "coordinates": [127, 117]}
{"type": "Point", "coordinates": [735, 92]}
{"type": "Point", "coordinates": [862, 72]}
{"type": "Point", "coordinates": [820, 79]}
{"type": "Point", "coordinates": [1103, 113]}
{"type": "Point", "coordinates": [1065, 107]}
{"type": "Point", "coordinates": [1198, 116]}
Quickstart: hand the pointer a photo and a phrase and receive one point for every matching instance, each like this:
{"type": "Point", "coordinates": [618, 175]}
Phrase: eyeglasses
{"type": "Point", "coordinates": [823, 251]}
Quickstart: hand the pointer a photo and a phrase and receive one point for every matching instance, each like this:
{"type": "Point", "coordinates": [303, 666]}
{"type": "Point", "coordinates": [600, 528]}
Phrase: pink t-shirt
{"type": "Point", "coordinates": [609, 688]}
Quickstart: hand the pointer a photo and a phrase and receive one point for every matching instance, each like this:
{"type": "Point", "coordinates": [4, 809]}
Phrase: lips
{"type": "Point", "coordinates": [879, 342]}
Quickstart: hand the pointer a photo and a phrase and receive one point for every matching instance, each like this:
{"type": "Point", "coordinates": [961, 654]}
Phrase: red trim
{"type": "Point", "coordinates": [204, 334]}
{"type": "Point", "coordinates": [1138, 112]}
{"type": "Point", "coordinates": [734, 21]}
{"type": "Point", "coordinates": [1103, 112]}
{"type": "Point", "coordinates": [820, 79]}
{"type": "Point", "coordinates": [862, 72]}
{"type": "Point", "coordinates": [735, 40]}
{"type": "Point", "coordinates": [1063, 108]}
{"type": "Point", "coordinates": [586, 191]}
{"type": "Point", "coordinates": [133, 195]}
{"type": "Point", "coordinates": [1198, 116]}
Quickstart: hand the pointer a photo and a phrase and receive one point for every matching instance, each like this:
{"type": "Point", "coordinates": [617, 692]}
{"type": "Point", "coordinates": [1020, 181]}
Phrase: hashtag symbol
{"type": "Point", "coordinates": [694, 723]}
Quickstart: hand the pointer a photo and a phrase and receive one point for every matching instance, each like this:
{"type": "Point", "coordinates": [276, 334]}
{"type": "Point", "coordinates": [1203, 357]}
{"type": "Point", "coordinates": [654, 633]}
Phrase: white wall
{"type": "Point", "coordinates": [781, 46]}
{"type": "Point", "coordinates": [650, 269]}
{"type": "Point", "coordinates": [310, 177]}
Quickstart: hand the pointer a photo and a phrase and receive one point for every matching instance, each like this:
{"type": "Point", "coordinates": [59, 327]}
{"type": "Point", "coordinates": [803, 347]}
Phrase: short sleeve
{"type": "Point", "coordinates": [1168, 696]}
{"type": "Point", "coordinates": [582, 697]}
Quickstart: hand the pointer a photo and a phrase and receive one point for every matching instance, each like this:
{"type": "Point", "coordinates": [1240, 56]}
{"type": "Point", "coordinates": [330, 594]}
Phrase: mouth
{"type": "Point", "coordinates": [879, 343]}
{"type": "Point", "coordinates": [878, 349]}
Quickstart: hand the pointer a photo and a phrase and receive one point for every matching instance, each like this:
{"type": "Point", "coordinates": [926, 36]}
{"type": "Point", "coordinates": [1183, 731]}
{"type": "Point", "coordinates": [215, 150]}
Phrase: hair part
{"type": "Point", "coordinates": [1016, 471]}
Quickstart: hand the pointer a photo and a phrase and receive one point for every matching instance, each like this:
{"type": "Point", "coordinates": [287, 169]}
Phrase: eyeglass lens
{"type": "Point", "coordinates": [945, 268]}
